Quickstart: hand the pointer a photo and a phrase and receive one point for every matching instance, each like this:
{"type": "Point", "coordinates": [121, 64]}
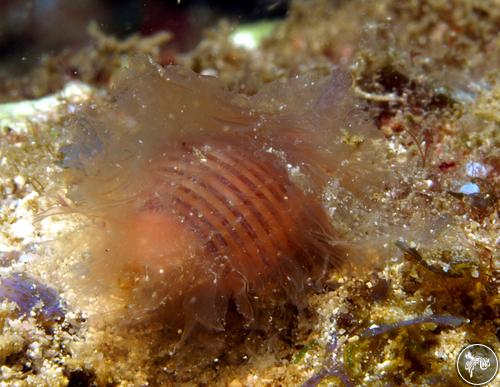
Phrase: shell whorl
{"type": "Point", "coordinates": [239, 206]}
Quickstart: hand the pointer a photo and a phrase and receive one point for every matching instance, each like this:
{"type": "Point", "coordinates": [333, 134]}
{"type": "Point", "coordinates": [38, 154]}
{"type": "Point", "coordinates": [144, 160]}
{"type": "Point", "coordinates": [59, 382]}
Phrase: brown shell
{"type": "Point", "coordinates": [203, 199]}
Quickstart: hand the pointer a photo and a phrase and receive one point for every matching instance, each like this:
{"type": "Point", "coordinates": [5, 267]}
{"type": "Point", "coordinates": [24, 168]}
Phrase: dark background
{"type": "Point", "coordinates": [31, 28]}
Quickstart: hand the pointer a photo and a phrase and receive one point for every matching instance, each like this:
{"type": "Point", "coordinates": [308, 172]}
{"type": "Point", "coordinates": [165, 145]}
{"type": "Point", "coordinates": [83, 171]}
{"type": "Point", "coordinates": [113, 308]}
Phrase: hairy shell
{"type": "Point", "coordinates": [201, 200]}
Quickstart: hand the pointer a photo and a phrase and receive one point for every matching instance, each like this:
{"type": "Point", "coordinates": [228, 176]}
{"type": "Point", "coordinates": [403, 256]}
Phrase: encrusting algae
{"type": "Point", "coordinates": [322, 229]}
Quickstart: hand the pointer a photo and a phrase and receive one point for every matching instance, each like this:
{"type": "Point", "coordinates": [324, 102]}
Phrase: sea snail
{"type": "Point", "coordinates": [202, 200]}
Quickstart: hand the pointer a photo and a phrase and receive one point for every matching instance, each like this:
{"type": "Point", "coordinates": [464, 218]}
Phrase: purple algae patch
{"type": "Point", "coordinates": [32, 297]}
